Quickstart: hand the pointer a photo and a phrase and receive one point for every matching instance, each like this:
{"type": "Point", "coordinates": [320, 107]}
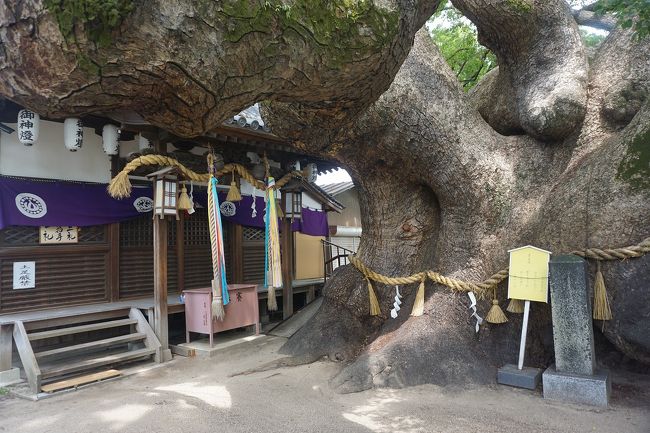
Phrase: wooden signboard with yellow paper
{"type": "Point", "coordinates": [527, 281]}
{"type": "Point", "coordinates": [528, 274]}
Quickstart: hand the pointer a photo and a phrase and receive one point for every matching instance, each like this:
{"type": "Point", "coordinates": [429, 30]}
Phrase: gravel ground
{"type": "Point", "coordinates": [199, 395]}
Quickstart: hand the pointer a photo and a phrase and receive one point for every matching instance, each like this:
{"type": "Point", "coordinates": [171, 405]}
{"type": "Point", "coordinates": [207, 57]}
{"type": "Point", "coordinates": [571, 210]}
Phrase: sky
{"type": "Point", "coordinates": [336, 176]}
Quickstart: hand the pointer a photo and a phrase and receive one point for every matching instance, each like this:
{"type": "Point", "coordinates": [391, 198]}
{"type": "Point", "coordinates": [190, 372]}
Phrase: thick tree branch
{"type": "Point", "coordinates": [193, 64]}
{"type": "Point", "coordinates": [549, 79]}
{"type": "Point", "coordinates": [592, 19]}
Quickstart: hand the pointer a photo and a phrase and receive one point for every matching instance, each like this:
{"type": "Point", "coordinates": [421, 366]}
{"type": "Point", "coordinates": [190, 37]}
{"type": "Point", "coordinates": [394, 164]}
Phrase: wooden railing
{"type": "Point", "coordinates": [332, 254]}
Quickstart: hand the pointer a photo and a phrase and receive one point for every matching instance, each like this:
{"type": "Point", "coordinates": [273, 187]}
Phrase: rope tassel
{"type": "Point", "coordinates": [233, 192]}
{"type": "Point", "coordinates": [218, 312]}
{"type": "Point", "coordinates": [601, 303]}
{"type": "Point", "coordinates": [496, 314]}
{"type": "Point", "coordinates": [272, 257]}
{"type": "Point", "coordinates": [515, 306]}
{"type": "Point", "coordinates": [184, 201]}
{"type": "Point", "coordinates": [418, 305]}
{"type": "Point", "coordinates": [374, 303]}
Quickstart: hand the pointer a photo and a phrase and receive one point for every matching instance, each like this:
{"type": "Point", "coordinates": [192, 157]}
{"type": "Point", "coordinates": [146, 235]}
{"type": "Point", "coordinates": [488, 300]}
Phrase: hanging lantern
{"type": "Point", "coordinates": [28, 123]}
{"type": "Point", "coordinates": [73, 134]}
{"type": "Point", "coordinates": [258, 171]}
{"type": "Point", "coordinates": [311, 172]}
{"type": "Point", "coordinates": [294, 166]}
{"type": "Point", "coordinates": [110, 134]}
{"type": "Point", "coordinates": [165, 192]}
{"type": "Point", "coordinates": [143, 143]}
{"type": "Point", "coordinates": [219, 162]}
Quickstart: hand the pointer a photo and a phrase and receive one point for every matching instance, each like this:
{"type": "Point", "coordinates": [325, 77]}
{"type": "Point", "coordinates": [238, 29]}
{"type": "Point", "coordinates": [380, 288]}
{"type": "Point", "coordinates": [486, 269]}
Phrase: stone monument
{"type": "Point", "coordinates": [574, 378]}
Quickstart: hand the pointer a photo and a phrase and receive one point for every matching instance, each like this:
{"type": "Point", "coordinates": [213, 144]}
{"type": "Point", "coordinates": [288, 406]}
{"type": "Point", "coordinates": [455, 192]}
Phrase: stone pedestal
{"type": "Point", "coordinates": [10, 377]}
{"type": "Point", "coordinates": [593, 390]}
{"type": "Point", "coordinates": [573, 378]}
{"type": "Point", "coordinates": [527, 377]}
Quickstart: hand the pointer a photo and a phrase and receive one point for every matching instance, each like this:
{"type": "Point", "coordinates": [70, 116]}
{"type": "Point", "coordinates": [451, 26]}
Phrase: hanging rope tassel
{"type": "Point", "coordinates": [220, 297]}
{"type": "Point", "coordinates": [601, 303]}
{"type": "Point", "coordinates": [218, 312]}
{"type": "Point", "coordinates": [496, 314]}
{"type": "Point", "coordinates": [271, 302]}
{"type": "Point", "coordinates": [184, 201]}
{"type": "Point", "coordinates": [418, 305]}
{"type": "Point", "coordinates": [279, 209]}
{"type": "Point", "coordinates": [272, 257]}
{"type": "Point", "coordinates": [233, 192]}
{"type": "Point", "coordinates": [374, 303]}
{"type": "Point", "coordinates": [515, 306]}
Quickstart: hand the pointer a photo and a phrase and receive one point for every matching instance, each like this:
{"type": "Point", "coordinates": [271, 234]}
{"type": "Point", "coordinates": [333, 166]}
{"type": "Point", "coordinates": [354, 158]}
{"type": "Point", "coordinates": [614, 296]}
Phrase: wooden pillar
{"type": "Point", "coordinates": [114, 262]}
{"type": "Point", "coordinates": [237, 253]}
{"type": "Point", "coordinates": [113, 276]}
{"type": "Point", "coordinates": [287, 264]}
{"type": "Point", "coordinates": [160, 281]}
{"type": "Point", "coordinates": [180, 251]}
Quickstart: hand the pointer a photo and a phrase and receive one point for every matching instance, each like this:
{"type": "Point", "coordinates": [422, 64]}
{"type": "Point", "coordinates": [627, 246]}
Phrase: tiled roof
{"type": "Point", "coordinates": [335, 189]}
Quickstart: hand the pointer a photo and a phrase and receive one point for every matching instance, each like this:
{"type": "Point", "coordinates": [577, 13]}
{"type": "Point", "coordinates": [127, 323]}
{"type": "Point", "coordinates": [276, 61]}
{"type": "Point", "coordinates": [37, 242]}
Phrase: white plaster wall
{"type": "Point", "coordinates": [351, 215]}
{"type": "Point", "coordinates": [308, 201]}
{"type": "Point", "coordinates": [48, 158]}
{"type": "Point", "coordinates": [128, 147]}
{"type": "Point", "coordinates": [246, 188]}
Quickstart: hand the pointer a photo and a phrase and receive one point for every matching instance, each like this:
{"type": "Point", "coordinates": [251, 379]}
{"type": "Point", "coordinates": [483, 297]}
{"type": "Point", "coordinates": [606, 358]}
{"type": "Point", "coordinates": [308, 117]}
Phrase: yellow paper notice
{"type": "Point", "coordinates": [528, 275]}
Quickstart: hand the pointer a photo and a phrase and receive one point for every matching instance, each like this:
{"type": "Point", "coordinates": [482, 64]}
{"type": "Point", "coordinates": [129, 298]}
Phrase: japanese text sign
{"type": "Point", "coordinates": [528, 274]}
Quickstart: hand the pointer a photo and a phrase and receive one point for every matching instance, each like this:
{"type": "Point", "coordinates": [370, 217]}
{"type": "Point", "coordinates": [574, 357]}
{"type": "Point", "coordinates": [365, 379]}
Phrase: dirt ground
{"type": "Point", "coordinates": [199, 395]}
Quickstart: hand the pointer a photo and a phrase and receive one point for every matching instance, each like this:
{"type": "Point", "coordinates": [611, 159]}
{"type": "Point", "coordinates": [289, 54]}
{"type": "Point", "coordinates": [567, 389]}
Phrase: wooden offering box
{"type": "Point", "coordinates": [243, 310]}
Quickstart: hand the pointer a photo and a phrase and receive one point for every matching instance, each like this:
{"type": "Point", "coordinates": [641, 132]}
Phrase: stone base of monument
{"type": "Point", "coordinates": [575, 388]}
{"type": "Point", "coordinates": [527, 377]}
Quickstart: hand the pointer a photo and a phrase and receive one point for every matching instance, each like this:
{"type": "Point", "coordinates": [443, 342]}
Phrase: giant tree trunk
{"type": "Point", "coordinates": [547, 150]}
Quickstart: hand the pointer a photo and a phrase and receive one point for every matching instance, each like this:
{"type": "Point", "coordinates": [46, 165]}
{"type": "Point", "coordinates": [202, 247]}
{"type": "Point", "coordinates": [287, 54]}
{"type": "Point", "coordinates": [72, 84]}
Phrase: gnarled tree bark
{"type": "Point", "coordinates": [548, 150]}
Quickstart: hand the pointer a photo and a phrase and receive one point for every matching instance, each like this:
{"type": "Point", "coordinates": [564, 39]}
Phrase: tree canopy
{"type": "Point", "coordinates": [457, 39]}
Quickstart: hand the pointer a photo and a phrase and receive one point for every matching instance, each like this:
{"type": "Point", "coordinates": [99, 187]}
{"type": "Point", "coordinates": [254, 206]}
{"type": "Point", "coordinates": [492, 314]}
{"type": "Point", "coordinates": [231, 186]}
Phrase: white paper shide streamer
{"type": "Point", "coordinates": [472, 306]}
{"type": "Point", "coordinates": [396, 304]}
{"type": "Point", "coordinates": [192, 210]}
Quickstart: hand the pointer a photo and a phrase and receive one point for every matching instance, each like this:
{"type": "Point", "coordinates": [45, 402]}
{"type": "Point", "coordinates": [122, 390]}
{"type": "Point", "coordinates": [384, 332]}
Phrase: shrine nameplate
{"type": "Point", "coordinates": [59, 235]}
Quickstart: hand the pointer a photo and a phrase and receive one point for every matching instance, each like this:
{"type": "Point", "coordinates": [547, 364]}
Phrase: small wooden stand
{"type": "Point", "coordinates": [243, 310]}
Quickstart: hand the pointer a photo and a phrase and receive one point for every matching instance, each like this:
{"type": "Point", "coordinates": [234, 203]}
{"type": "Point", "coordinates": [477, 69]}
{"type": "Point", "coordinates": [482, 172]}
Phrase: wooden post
{"type": "Point", "coordinates": [287, 264]}
{"type": "Point", "coordinates": [180, 252]}
{"type": "Point", "coordinates": [114, 262]}
{"type": "Point", "coordinates": [237, 253]}
{"type": "Point", "coordinates": [30, 366]}
{"type": "Point", "coordinates": [524, 330]}
{"type": "Point", "coordinates": [160, 281]}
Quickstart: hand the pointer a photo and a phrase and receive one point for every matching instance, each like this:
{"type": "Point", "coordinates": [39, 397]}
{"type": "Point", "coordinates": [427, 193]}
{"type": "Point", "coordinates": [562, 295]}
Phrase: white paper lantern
{"type": "Point", "coordinates": [143, 143]}
{"type": "Point", "coordinates": [110, 134]}
{"type": "Point", "coordinates": [28, 125]}
{"type": "Point", "coordinates": [312, 172]}
{"type": "Point", "coordinates": [73, 134]}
